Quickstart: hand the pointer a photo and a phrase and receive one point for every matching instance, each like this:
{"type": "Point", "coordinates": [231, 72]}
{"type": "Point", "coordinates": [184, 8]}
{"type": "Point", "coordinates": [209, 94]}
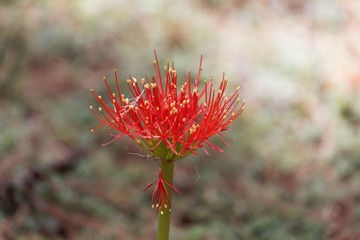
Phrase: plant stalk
{"type": "Point", "coordinates": [164, 219]}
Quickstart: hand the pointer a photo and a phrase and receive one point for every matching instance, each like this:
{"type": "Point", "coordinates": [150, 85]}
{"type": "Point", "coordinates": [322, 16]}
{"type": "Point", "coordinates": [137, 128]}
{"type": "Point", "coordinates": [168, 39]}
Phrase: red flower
{"type": "Point", "coordinates": [167, 120]}
{"type": "Point", "coordinates": [160, 196]}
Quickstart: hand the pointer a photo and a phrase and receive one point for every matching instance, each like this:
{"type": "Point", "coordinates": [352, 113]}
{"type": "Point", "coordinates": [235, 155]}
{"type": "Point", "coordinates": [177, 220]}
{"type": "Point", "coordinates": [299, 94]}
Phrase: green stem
{"type": "Point", "coordinates": [164, 219]}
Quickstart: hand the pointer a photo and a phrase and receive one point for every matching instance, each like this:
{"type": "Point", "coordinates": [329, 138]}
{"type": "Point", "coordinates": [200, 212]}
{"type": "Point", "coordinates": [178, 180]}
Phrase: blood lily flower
{"type": "Point", "coordinates": [169, 121]}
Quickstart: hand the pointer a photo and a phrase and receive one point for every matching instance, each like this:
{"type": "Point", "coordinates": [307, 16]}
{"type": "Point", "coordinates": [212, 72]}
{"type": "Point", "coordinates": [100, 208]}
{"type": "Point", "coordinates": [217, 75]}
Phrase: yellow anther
{"type": "Point", "coordinates": [147, 86]}
{"type": "Point", "coordinates": [92, 130]}
{"type": "Point", "coordinates": [162, 213]}
{"type": "Point", "coordinates": [91, 90]}
{"type": "Point", "coordinates": [165, 205]}
{"type": "Point", "coordinates": [99, 97]}
{"type": "Point", "coordinates": [91, 108]}
{"type": "Point", "coordinates": [128, 81]}
{"type": "Point", "coordinates": [152, 206]}
{"type": "Point", "coordinates": [138, 141]}
{"type": "Point", "coordinates": [113, 95]}
{"type": "Point", "coordinates": [100, 109]}
{"type": "Point", "coordinates": [134, 79]}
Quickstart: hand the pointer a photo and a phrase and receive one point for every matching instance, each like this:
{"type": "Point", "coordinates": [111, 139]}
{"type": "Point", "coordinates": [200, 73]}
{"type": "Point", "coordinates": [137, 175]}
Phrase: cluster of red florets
{"type": "Point", "coordinates": [161, 114]}
{"type": "Point", "coordinates": [168, 121]}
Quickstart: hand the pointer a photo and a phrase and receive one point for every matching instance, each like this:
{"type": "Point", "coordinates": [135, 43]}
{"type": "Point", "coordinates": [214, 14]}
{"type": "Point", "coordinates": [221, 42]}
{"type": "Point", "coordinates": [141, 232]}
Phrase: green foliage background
{"type": "Point", "coordinates": [290, 172]}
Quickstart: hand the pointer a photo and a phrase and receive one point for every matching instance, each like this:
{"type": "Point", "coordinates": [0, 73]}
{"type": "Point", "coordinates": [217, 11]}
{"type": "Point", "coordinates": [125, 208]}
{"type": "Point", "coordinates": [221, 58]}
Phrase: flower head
{"type": "Point", "coordinates": [169, 121]}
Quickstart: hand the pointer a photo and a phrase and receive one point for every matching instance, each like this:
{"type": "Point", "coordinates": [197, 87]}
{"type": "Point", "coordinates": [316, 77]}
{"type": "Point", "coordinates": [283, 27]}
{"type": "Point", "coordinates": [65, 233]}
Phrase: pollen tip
{"type": "Point", "coordinates": [238, 88]}
{"type": "Point", "coordinates": [92, 130]}
{"type": "Point", "coordinates": [91, 90]}
{"type": "Point", "coordinates": [114, 69]}
{"type": "Point", "coordinates": [91, 108]}
{"type": "Point", "coordinates": [161, 212]}
{"type": "Point", "coordinates": [100, 109]}
{"type": "Point", "coordinates": [152, 206]}
{"type": "Point", "coordinates": [104, 78]}
{"type": "Point", "coordinates": [99, 97]}
{"type": "Point", "coordinates": [165, 205]}
{"type": "Point", "coordinates": [138, 141]}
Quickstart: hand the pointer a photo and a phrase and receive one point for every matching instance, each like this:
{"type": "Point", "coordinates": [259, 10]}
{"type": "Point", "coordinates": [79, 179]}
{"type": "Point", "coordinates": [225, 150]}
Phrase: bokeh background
{"type": "Point", "coordinates": [290, 172]}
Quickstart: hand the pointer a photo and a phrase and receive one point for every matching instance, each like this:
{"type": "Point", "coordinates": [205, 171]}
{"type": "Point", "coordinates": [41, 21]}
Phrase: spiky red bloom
{"type": "Point", "coordinates": [160, 196]}
{"type": "Point", "coordinates": [168, 122]}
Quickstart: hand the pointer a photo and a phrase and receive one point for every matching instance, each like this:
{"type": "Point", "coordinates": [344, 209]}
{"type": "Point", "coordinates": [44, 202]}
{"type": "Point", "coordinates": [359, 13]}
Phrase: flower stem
{"type": "Point", "coordinates": [164, 219]}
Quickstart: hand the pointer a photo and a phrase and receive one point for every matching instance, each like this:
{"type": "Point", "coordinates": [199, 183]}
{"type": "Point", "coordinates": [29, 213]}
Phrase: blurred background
{"type": "Point", "coordinates": [292, 170]}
